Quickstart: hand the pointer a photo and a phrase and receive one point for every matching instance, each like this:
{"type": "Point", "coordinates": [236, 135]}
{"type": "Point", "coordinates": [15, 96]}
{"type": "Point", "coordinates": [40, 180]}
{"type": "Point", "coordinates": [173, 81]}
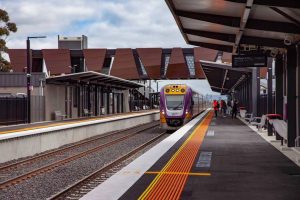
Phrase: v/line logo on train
{"type": "Point", "coordinates": [178, 105]}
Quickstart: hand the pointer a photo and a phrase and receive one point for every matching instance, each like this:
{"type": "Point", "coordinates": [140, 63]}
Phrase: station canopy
{"type": "Point", "coordinates": [236, 26]}
{"type": "Point", "coordinates": [93, 78]}
{"type": "Point", "coordinates": [226, 25]}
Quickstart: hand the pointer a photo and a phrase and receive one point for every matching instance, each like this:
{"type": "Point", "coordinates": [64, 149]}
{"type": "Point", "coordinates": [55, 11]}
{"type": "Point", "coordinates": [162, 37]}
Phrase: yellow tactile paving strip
{"type": "Point", "coordinates": [170, 181]}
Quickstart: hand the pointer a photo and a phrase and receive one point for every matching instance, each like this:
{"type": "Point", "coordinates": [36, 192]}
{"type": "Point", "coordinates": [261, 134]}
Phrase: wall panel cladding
{"type": "Point", "coordinates": [177, 67]}
{"type": "Point", "coordinates": [203, 54]}
{"type": "Point", "coordinates": [18, 59]}
{"type": "Point", "coordinates": [124, 65]}
{"type": "Point", "coordinates": [199, 73]}
{"type": "Point", "coordinates": [151, 59]}
{"type": "Point", "coordinates": [58, 61]}
{"type": "Point", "coordinates": [227, 57]}
{"type": "Point", "coordinates": [94, 59]}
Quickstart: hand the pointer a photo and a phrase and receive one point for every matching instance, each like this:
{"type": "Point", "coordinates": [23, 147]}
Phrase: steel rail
{"type": "Point", "coordinates": [62, 150]}
{"type": "Point", "coordinates": [86, 180]}
{"type": "Point", "coordinates": [49, 167]}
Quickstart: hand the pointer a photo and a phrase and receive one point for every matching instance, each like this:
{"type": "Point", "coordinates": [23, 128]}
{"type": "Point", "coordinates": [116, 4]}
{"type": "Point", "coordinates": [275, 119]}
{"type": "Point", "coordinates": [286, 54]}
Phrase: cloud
{"type": "Point", "coordinates": [107, 23]}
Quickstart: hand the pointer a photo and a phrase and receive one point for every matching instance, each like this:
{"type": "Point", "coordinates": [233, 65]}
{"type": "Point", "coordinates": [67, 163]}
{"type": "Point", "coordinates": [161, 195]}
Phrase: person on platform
{"type": "Point", "coordinates": [229, 107]}
{"type": "Point", "coordinates": [234, 109]}
{"type": "Point", "coordinates": [223, 107]}
{"type": "Point", "coordinates": [216, 106]}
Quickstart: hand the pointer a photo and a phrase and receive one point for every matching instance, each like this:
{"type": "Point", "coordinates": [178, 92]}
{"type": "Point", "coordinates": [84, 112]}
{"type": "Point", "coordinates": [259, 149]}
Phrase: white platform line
{"type": "Point", "coordinates": [119, 183]}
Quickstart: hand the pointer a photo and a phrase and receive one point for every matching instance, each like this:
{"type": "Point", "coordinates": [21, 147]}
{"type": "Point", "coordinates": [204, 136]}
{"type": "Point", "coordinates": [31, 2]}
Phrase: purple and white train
{"type": "Point", "coordinates": [178, 104]}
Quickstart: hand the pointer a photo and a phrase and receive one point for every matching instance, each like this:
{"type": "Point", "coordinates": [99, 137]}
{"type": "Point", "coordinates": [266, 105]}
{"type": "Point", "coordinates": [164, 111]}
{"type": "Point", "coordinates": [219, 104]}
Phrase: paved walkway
{"type": "Point", "coordinates": [240, 165]}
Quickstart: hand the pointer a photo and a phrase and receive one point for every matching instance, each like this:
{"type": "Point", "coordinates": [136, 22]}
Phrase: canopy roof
{"type": "Point", "coordinates": [222, 78]}
{"type": "Point", "coordinates": [226, 25]}
{"type": "Point", "coordinates": [94, 78]}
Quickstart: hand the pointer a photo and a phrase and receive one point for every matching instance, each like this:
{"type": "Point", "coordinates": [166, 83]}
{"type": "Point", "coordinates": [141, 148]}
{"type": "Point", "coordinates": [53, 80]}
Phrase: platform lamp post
{"type": "Point", "coordinates": [29, 86]}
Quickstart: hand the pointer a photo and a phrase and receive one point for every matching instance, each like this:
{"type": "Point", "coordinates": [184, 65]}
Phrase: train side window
{"type": "Point", "coordinates": [193, 102]}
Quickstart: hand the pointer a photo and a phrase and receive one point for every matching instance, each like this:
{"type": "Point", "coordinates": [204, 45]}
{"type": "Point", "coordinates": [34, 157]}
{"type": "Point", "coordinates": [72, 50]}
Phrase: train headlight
{"type": "Point", "coordinates": [167, 90]}
{"type": "Point", "coordinates": [163, 112]}
{"type": "Point", "coordinates": [177, 90]}
{"type": "Point", "coordinates": [182, 90]}
{"type": "Point", "coordinates": [186, 112]}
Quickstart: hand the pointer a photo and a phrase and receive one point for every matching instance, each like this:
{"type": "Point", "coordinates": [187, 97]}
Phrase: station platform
{"type": "Point", "coordinates": [47, 124]}
{"type": "Point", "coordinates": [26, 140]}
{"type": "Point", "coordinates": [207, 159]}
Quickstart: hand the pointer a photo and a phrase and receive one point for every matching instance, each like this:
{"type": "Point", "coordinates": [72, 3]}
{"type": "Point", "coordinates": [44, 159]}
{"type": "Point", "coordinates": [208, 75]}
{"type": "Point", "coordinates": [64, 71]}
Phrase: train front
{"type": "Point", "coordinates": [174, 106]}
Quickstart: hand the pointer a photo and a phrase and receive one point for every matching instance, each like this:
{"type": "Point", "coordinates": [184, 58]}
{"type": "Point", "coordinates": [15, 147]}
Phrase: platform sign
{"type": "Point", "coordinates": [239, 61]}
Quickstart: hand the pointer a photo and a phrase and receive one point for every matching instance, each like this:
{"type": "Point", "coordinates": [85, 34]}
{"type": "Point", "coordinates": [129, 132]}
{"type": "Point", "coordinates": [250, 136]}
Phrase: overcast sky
{"type": "Point", "coordinates": [106, 23]}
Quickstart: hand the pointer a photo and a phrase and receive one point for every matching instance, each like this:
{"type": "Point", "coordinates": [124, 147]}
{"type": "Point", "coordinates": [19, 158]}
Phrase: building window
{"type": "Point", "coordinates": [167, 61]}
{"type": "Point", "coordinates": [191, 64]}
{"type": "Point", "coordinates": [143, 68]}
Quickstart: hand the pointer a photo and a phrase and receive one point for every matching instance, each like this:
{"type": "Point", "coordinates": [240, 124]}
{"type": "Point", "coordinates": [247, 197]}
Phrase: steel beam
{"type": "Point", "coordinates": [256, 24]}
{"type": "Point", "coordinates": [287, 16]}
{"type": "Point", "coordinates": [279, 3]}
{"type": "Point", "coordinates": [225, 48]}
{"type": "Point", "coordinates": [232, 38]}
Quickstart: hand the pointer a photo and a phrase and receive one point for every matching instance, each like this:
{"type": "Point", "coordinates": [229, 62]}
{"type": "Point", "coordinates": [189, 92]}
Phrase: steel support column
{"type": "Point", "coordinates": [113, 103]}
{"type": "Point", "coordinates": [270, 93]}
{"type": "Point", "coordinates": [254, 91]}
{"type": "Point", "coordinates": [96, 101]}
{"type": "Point", "coordinates": [89, 98]}
{"type": "Point", "coordinates": [298, 97]}
{"type": "Point", "coordinates": [291, 95]}
{"type": "Point", "coordinates": [78, 88]}
{"type": "Point", "coordinates": [102, 100]}
{"type": "Point", "coordinates": [144, 93]}
{"type": "Point", "coordinates": [107, 101]}
{"type": "Point", "coordinates": [250, 94]}
{"type": "Point", "coordinates": [28, 81]}
{"type": "Point", "coordinates": [279, 85]}
{"type": "Point", "coordinates": [122, 102]}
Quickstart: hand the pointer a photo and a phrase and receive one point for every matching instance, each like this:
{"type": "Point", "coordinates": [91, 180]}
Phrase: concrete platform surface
{"type": "Point", "coordinates": [13, 131]}
{"type": "Point", "coordinates": [119, 183]}
{"type": "Point", "coordinates": [240, 165]}
{"type": "Point", "coordinates": [36, 139]}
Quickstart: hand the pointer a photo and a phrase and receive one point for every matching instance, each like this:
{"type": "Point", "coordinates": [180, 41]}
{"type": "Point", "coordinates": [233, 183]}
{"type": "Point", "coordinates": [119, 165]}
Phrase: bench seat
{"type": "Point", "coordinates": [280, 127]}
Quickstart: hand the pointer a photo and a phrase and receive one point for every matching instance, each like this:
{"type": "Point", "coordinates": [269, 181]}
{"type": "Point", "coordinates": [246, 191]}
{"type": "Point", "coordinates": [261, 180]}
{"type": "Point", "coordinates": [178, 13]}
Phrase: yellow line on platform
{"type": "Point", "coordinates": [190, 146]}
{"type": "Point", "coordinates": [182, 173]}
{"type": "Point", "coordinates": [62, 123]}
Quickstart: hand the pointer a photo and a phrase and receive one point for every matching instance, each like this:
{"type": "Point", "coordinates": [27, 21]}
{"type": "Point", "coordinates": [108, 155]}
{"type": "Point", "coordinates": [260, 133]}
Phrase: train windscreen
{"type": "Point", "coordinates": [174, 102]}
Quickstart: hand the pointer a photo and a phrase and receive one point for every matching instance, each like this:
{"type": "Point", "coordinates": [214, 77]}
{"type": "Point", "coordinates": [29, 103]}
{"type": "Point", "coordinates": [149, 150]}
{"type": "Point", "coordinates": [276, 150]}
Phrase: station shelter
{"type": "Point", "coordinates": [247, 27]}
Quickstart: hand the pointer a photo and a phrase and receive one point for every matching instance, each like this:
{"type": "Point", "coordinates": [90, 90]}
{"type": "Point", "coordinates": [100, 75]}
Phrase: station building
{"type": "Point", "coordinates": [75, 81]}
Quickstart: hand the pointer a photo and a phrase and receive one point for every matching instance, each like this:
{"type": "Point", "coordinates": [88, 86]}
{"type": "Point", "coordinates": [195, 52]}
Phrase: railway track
{"type": "Point", "coordinates": [15, 180]}
{"type": "Point", "coordinates": [83, 186]}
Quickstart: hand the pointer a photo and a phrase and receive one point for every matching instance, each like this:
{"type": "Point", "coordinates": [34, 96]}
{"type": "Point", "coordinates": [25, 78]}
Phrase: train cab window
{"type": "Point", "coordinates": [174, 102]}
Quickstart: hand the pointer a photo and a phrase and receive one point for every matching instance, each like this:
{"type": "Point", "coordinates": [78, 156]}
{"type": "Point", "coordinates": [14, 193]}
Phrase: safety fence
{"type": "Point", "coordinates": [13, 109]}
